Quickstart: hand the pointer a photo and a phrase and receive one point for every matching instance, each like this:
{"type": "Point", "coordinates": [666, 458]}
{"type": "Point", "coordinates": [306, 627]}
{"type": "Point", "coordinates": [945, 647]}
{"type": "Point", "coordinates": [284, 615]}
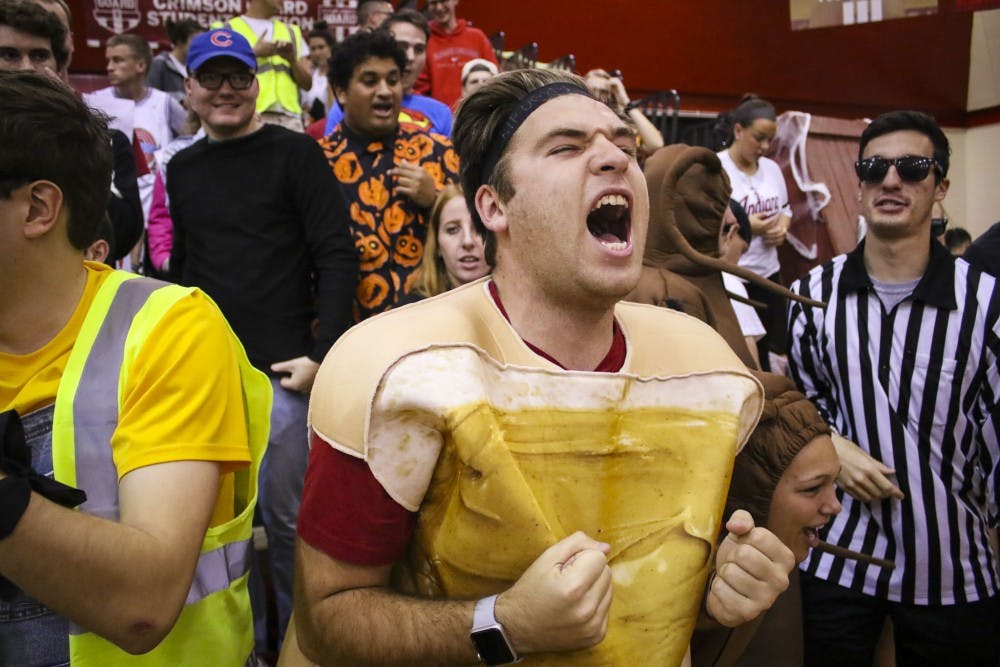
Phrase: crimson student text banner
{"type": "Point", "coordinates": [148, 18]}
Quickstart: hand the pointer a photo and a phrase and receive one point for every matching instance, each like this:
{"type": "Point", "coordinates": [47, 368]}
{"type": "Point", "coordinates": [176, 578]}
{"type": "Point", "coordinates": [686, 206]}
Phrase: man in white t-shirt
{"type": "Point", "coordinates": [151, 117]}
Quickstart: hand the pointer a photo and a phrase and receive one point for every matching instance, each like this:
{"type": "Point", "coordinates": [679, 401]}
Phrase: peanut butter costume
{"type": "Point", "coordinates": [503, 454]}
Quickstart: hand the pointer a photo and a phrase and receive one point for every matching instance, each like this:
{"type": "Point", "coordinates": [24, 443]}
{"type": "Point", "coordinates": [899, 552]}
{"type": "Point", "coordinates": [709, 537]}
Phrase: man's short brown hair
{"type": "Point", "coordinates": [48, 133]}
{"type": "Point", "coordinates": [32, 19]}
{"type": "Point", "coordinates": [138, 45]}
{"type": "Point", "coordinates": [478, 121]}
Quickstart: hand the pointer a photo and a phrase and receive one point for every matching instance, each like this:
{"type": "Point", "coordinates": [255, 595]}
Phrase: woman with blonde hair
{"type": "Point", "coordinates": [453, 253]}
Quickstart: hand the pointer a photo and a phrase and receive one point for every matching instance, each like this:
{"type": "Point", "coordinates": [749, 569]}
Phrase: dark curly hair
{"type": "Point", "coordinates": [358, 48]}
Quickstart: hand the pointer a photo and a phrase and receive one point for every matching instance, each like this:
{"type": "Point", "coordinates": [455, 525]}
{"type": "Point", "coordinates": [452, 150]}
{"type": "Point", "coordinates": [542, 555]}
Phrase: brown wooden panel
{"type": "Point", "coordinates": [831, 149]}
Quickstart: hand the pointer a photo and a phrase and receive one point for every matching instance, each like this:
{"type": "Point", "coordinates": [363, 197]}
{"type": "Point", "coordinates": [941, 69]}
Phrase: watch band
{"type": "Point", "coordinates": [483, 616]}
{"type": "Point", "coordinates": [488, 636]}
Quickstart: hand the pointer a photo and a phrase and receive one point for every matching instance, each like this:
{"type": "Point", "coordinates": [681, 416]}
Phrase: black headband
{"type": "Point", "coordinates": [527, 106]}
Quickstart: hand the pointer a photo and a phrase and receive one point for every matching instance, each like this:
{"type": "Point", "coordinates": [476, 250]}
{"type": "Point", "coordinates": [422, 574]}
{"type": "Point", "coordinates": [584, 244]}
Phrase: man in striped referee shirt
{"type": "Point", "coordinates": [903, 363]}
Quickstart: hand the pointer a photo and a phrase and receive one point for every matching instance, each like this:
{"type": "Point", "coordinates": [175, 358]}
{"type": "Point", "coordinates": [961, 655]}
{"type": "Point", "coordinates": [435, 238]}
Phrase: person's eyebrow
{"type": "Point", "coordinates": [616, 132]}
{"type": "Point", "coordinates": [818, 477]}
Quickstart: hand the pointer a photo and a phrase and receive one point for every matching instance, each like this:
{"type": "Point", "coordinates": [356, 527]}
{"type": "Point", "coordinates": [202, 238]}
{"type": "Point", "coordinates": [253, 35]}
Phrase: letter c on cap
{"type": "Point", "coordinates": [222, 39]}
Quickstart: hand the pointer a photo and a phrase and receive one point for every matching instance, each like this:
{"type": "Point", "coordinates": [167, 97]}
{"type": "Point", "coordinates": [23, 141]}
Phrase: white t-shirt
{"type": "Point", "coordinates": [750, 323]}
{"type": "Point", "coordinates": [153, 122]}
{"type": "Point", "coordinates": [317, 91]}
{"type": "Point", "coordinates": [763, 192]}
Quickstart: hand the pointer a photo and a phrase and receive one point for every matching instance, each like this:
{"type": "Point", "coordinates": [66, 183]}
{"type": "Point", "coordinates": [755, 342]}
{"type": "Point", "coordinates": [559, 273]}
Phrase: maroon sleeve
{"type": "Point", "coordinates": [345, 512]}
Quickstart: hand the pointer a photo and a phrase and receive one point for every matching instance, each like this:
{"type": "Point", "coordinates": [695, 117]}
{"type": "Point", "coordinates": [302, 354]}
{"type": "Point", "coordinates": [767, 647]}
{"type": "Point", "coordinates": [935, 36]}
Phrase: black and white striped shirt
{"type": "Point", "coordinates": [917, 387]}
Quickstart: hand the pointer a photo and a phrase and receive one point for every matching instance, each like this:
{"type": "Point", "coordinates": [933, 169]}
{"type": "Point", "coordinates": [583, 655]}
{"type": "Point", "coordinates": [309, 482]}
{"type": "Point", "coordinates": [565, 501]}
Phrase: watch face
{"type": "Point", "coordinates": [492, 647]}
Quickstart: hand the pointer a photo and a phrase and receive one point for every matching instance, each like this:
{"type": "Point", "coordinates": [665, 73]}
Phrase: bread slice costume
{"type": "Point", "coordinates": [503, 454]}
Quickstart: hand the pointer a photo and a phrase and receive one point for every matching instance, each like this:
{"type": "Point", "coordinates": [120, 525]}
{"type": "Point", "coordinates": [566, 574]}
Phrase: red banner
{"type": "Point", "coordinates": [975, 5]}
{"type": "Point", "coordinates": [149, 17]}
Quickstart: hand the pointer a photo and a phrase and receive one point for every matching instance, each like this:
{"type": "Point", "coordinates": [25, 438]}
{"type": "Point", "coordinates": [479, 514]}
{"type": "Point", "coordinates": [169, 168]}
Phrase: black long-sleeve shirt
{"type": "Point", "coordinates": [261, 226]}
{"type": "Point", "coordinates": [124, 206]}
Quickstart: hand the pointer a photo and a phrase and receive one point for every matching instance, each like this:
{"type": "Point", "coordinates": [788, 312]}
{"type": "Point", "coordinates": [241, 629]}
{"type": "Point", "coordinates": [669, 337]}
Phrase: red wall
{"type": "Point", "coordinates": [712, 51]}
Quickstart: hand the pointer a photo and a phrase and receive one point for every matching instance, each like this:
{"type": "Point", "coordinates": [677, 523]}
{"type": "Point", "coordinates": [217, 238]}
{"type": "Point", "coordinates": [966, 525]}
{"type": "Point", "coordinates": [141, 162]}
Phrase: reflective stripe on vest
{"type": "Point", "coordinates": [274, 74]}
{"type": "Point", "coordinates": [218, 569]}
{"type": "Point", "coordinates": [95, 469]}
{"type": "Point", "coordinates": [215, 624]}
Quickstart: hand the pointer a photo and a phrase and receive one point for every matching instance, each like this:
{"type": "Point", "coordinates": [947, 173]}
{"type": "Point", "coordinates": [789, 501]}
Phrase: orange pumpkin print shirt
{"type": "Point", "coordinates": [388, 228]}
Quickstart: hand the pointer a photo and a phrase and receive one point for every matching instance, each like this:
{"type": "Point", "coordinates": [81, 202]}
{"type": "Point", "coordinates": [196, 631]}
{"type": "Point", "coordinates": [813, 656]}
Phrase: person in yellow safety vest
{"type": "Point", "coordinates": [134, 391]}
{"type": "Point", "coordinates": [282, 61]}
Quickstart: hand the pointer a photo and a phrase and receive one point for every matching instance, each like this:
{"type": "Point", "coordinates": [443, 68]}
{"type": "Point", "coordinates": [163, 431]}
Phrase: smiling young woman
{"type": "Point", "coordinates": [785, 478]}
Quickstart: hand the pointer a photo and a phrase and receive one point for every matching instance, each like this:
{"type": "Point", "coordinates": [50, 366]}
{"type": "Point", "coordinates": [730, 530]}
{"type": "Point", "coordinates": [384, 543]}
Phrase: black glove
{"type": "Point", "coordinates": [15, 460]}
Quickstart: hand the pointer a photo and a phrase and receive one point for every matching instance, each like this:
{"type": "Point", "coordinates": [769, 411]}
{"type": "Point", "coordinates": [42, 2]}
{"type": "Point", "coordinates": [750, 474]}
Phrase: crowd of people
{"type": "Point", "coordinates": [499, 374]}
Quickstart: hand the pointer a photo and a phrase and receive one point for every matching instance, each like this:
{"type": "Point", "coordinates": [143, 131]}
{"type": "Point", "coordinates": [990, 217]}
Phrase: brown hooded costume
{"type": "Point", "coordinates": [789, 423]}
{"type": "Point", "coordinates": [688, 195]}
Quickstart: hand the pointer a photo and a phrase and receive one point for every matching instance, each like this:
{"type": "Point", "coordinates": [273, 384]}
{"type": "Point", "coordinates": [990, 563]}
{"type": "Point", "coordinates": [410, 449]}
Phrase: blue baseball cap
{"type": "Point", "coordinates": [220, 43]}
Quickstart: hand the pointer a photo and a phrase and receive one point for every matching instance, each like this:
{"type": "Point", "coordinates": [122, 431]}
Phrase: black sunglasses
{"type": "Point", "coordinates": [911, 168]}
{"type": "Point", "coordinates": [213, 80]}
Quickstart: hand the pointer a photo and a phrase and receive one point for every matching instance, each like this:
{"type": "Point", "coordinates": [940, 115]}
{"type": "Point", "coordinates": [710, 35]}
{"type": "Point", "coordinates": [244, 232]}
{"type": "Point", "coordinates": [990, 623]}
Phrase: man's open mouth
{"type": "Point", "coordinates": [610, 221]}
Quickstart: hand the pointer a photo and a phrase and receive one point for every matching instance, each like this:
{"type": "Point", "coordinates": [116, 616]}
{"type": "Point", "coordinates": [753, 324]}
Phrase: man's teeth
{"type": "Point", "coordinates": [614, 245]}
{"type": "Point", "coordinates": [611, 200]}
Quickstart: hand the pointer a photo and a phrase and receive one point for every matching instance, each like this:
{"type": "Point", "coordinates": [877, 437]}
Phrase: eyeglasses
{"type": "Point", "coordinates": [236, 80]}
{"type": "Point", "coordinates": [911, 168]}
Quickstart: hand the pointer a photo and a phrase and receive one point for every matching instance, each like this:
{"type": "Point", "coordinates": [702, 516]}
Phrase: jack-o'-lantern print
{"type": "Point", "coordinates": [373, 193]}
{"type": "Point", "coordinates": [408, 250]}
{"type": "Point", "coordinates": [333, 150]}
{"type": "Point", "coordinates": [362, 217]}
{"type": "Point", "coordinates": [372, 253]}
{"type": "Point", "coordinates": [436, 172]}
{"type": "Point", "coordinates": [395, 218]}
{"type": "Point", "coordinates": [414, 148]}
{"type": "Point", "coordinates": [388, 228]}
{"type": "Point", "coordinates": [347, 169]}
{"type": "Point", "coordinates": [451, 160]}
{"type": "Point", "coordinates": [373, 290]}
{"type": "Point", "coordinates": [410, 281]}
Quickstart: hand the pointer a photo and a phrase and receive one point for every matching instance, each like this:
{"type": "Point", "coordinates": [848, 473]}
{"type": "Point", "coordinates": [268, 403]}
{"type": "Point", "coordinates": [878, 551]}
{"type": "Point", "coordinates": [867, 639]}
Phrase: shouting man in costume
{"type": "Point", "coordinates": [531, 443]}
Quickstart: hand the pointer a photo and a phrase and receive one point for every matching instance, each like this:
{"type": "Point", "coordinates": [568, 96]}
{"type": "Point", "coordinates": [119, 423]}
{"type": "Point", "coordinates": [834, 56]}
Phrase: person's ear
{"type": "Point", "coordinates": [44, 207]}
{"type": "Point", "coordinates": [941, 189]}
{"type": "Point", "coordinates": [98, 251]}
{"type": "Point", "coordinates": [492, 211]}
{"type": "Point", "coordinates": [341, 95]}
